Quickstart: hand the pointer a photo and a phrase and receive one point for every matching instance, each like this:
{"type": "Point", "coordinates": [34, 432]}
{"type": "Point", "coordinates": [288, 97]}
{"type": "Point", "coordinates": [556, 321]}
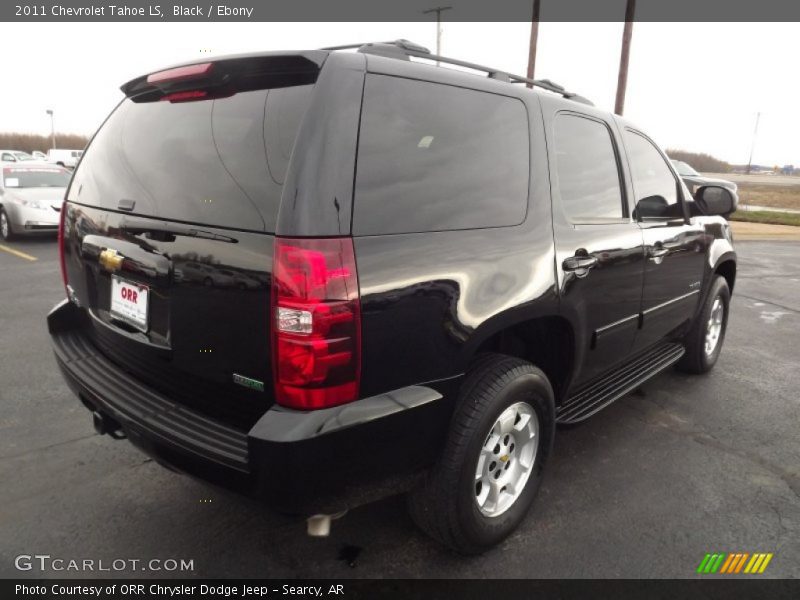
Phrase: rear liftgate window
{"type": "Point", "coordinates": [219, 162]}
{"type": "Point", "coordinates": [433, 157]}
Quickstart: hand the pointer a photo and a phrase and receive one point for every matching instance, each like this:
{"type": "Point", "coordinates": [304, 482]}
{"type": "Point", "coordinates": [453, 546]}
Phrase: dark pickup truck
{"type": "Point", "coordinates": [328, 276]}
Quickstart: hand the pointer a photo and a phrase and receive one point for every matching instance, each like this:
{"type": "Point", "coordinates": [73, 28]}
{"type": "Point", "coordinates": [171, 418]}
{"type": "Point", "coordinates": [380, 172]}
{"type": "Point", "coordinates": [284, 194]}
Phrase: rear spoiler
{"type": "Point", "coordinates": [226, 76]}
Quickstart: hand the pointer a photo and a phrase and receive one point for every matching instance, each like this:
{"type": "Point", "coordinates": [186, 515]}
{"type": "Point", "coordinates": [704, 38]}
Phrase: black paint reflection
{"type": "Point", "coordinates": [208, 307]}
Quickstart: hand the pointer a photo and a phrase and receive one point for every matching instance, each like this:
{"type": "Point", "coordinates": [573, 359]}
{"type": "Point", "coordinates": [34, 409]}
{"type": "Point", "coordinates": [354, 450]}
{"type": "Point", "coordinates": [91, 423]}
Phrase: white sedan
{"type": "Point", "coordinates": [31, 196]}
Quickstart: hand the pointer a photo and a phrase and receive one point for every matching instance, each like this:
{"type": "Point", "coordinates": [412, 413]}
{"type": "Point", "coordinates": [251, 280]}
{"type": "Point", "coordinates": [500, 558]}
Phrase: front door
{"type": "Point", "coordinates": [675, 247]}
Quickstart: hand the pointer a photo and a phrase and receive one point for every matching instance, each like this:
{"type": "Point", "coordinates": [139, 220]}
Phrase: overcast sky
{"type": "Point", "coordinates": [696, 87]}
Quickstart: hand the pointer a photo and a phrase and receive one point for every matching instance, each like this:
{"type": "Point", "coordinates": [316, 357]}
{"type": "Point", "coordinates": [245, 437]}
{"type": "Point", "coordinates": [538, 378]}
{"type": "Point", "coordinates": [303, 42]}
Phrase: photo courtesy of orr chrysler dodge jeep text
{"type": "Point", "coordinates": [325, 277]}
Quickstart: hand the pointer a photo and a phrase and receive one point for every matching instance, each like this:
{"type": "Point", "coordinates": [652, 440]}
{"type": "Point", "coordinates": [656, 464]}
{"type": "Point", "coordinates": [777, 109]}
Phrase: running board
{"type": "Point", "coordinates": [598, 394]}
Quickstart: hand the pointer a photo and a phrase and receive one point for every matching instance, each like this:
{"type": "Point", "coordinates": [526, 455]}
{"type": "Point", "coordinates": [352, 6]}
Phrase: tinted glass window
{"type": "Point", "coordinates": [220, 162]}
{"type": "Point", "coordinates": [29, 177]}
{"type": "Point", "coordinates": [653, 183]}
{"type": "Point", "coordinates": [433, 157]}
{"type": "Point", "coordinates": [587, 171]}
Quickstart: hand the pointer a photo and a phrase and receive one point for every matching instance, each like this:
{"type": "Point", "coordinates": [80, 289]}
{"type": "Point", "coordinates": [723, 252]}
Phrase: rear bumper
{"type": "Point", "coordinates": [299, 462]}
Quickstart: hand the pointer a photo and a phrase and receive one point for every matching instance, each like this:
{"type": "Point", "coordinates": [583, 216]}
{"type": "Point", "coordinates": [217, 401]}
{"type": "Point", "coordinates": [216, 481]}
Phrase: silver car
{"type": "Point", "coordinates": [15, 156]}
{"type": "Point", "coordinates": [31, 195]}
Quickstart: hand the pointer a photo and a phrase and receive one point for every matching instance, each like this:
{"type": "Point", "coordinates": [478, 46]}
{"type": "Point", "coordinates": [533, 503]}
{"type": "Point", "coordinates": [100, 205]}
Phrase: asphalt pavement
{"type": "Point", "coordinates": [690, 465]}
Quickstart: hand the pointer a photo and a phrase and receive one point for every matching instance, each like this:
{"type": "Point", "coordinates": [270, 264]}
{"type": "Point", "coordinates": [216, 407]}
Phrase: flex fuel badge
{"type": "Point", "coordinates": [253, 384]}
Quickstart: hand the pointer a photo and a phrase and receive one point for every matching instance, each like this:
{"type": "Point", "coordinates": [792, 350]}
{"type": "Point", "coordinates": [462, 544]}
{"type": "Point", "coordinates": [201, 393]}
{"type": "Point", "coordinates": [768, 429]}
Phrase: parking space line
{"type": "Point", "coordinates": [17, 253]}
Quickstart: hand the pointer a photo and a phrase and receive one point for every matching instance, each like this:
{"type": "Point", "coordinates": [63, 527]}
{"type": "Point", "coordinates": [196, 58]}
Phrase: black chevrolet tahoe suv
{"type": "Point", "coordinates": [325, 277]}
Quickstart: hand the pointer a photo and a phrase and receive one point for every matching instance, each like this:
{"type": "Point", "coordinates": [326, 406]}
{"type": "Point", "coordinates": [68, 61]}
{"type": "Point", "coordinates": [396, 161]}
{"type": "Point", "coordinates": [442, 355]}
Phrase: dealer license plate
{"type": "Point", "coordinates": [129, 302]}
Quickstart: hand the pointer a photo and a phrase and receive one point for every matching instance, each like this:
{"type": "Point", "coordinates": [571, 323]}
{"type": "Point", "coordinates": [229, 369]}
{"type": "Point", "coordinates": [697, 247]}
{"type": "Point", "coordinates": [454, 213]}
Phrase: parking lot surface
{"type": "Point", "coordinates": [688, 465]}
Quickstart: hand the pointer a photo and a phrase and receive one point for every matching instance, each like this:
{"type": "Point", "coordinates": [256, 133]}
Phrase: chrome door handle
{"type": "Point", "coordinates": [579, 264]}
{"type": "Point", "coordinates": [657, 254]}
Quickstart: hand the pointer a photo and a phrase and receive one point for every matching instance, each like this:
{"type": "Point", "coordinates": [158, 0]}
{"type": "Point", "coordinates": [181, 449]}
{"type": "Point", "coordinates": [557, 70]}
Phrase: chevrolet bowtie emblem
{"type": "Point", "coordinates": [111, 260]}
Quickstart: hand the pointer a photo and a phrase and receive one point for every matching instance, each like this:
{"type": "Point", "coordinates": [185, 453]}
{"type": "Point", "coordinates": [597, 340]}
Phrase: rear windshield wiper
{"type": "Point", "coordinates": [166, 233]}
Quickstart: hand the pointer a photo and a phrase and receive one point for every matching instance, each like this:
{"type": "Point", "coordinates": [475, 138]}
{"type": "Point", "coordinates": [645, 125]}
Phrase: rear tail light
{"type": "Point", "coordinates": [61, 241]}
{"type": "Point", "coordinates": [316, 322]}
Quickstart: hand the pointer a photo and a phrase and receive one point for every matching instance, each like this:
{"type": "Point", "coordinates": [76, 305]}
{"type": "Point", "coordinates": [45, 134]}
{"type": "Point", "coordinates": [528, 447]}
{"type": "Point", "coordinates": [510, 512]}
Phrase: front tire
{"type": "Point", "coordinates": [5, 226]}
{"type": "Point", "coordinates": [491, 467]}
{"type": "Point", "coordinates": [704, 340]}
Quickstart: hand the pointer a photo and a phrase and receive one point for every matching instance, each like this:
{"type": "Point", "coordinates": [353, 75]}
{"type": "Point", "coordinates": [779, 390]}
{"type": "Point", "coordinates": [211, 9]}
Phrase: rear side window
{"type": "Point", "coordinates": [433, 157]}
{"type": "Point", "coordinates": [587, 170]}
{"type": "Point", "coordinates": [218, 162]}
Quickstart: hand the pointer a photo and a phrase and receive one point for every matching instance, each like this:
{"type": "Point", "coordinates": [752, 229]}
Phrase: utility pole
{"type": "Point", "coordinates": [438, 10]}
{"type": "Point", "coordinates": [753, 145]}
{"type": "Point", "coordinates": [52, 127]}
{"type": "Point", "coordinates": [622, 80]}
{"type": "Point", "coordinates": [534, 40]}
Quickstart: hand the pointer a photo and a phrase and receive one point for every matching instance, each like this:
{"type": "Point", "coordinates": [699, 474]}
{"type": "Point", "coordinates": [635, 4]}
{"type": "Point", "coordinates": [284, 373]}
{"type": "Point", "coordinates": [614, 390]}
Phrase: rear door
{"type": "Point", "coordinates": [675, 246]}
{"type": "Point", "coordinates": [169, 238]}
{"type": "Point", "coordinates": [599, 254]}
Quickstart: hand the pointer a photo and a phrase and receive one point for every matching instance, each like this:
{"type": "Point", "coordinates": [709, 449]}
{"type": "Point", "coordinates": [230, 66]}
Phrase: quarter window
{"type": "Point", "coordinates": [587, 170]}
{"type": "Point", "coordinates": [434, 157]}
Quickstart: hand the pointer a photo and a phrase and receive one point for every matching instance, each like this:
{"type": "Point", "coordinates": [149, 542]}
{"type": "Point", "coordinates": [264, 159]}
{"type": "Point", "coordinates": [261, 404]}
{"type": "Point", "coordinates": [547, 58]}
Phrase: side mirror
{"type": "Point", "coordinates": [656, 207]}
{"type": "Point", "coordinates": [715, 200]}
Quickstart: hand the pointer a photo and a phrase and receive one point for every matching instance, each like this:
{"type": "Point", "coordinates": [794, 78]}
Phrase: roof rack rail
{"type": "Point", "coordinates": [403, 50]}
{"type": "Point", "coordinates": [401, 44]}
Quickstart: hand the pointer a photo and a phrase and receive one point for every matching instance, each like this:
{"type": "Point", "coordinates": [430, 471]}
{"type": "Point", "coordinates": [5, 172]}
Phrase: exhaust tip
{"type": "Point", "coordinates": [320, 525]}
{"type": "Point", "coordinates": [104, 424]}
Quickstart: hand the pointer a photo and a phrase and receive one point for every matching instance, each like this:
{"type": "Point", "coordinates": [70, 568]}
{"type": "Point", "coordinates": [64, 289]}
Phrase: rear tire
{"type": "Point", "coordinates": [704, 340]}
{"type": "Point", "coordinates": [451, 505]}
{"type": "Point", "coordinates": [5, 227]}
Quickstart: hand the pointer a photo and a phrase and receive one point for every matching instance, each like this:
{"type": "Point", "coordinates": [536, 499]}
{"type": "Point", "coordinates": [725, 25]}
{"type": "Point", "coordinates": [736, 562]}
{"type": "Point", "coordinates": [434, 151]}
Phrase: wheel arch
{"type": "Point", "coordinates": [727, 268]}
{"type": "Point", "coordinates": [547, 341]}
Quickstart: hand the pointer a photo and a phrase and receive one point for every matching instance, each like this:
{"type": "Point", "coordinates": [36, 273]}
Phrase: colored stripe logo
{"type": "Point", "coordinates": [734, 563]}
